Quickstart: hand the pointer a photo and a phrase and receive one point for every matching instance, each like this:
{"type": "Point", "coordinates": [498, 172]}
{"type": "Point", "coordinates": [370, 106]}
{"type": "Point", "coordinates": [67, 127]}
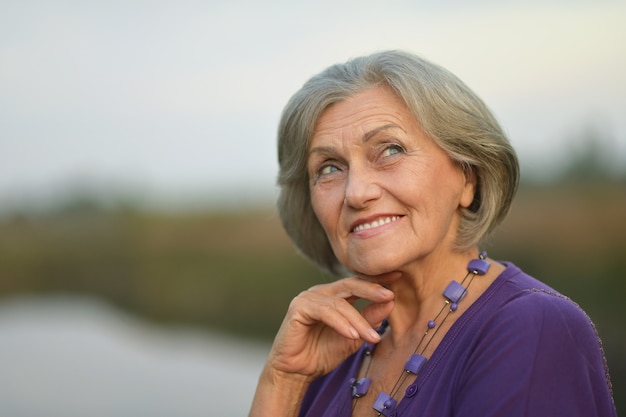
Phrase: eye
{"type": "Point", "coordinates": [325, 172]}
{"type": "Point", "coordinates": [392, 149]}
{"type": "Point", "coordinates": [327, 169]}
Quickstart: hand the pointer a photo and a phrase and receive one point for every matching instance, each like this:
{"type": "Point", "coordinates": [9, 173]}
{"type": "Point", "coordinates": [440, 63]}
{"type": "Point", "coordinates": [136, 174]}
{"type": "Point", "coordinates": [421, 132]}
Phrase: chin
{"type": "Point", "coordinates": [373, 270]}
{"type": "Point", "coordinates": [372, 262]}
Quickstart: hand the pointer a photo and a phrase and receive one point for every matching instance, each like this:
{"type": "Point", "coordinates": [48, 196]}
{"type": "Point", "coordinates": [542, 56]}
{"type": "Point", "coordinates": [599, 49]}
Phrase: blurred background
{"type": "Point", "coordinates": [143, 270]}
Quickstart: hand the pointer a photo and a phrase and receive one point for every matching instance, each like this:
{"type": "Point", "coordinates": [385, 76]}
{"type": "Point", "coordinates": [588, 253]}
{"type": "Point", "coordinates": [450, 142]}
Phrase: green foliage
{"type": "Point", "coordinates": [232, 272]}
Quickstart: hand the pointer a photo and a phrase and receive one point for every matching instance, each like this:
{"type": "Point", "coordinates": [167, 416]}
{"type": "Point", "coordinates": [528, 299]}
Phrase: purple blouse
{"type": "Point", "coordinates": [521, 349]}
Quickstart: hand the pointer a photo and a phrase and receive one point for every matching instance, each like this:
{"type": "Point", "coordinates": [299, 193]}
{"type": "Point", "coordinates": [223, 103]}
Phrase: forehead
{"type": "Point", "coordinates": [362, 112]}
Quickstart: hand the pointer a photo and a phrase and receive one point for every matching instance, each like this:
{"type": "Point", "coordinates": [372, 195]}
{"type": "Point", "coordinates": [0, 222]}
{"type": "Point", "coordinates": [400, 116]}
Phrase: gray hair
{"type": "Point", "coordinates": [445, 109]}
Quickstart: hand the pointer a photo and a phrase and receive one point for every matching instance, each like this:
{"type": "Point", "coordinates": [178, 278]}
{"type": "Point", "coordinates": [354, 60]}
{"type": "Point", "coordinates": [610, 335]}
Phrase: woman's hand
{"type": "Point", "coordinates": [322, 327]}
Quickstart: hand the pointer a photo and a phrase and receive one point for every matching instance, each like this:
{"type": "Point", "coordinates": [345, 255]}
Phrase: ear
{"type": "Point", "coordinates": [469, 188]}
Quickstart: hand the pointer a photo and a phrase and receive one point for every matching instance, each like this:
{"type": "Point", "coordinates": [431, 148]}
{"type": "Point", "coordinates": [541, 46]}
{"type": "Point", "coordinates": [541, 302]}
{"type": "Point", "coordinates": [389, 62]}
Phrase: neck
{"type": "Point", "coordinates": [418, 292]}
{"type": "Point", "coordinates": [426, 333]}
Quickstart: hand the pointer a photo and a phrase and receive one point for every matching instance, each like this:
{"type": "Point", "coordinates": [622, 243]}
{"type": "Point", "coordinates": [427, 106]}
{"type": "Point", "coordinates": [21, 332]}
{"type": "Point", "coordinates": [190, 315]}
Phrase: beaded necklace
{"type": "Point", "coordinates": [385, 404]}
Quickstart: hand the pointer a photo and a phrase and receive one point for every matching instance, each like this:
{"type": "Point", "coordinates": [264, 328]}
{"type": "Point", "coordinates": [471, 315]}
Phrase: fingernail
{"type": "Point", "coordinates": [374, 334]}
{"type": "Point", "coordinates": [385, 291]}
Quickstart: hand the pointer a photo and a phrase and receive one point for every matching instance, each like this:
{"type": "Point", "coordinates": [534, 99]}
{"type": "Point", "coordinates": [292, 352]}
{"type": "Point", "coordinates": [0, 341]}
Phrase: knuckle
{"type": "Point", "coordinates": [299, 301]}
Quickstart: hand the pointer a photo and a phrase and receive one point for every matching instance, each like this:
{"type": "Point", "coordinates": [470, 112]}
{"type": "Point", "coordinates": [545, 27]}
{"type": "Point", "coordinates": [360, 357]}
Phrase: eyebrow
{"type": "Point", "coordinates": [367, 136]}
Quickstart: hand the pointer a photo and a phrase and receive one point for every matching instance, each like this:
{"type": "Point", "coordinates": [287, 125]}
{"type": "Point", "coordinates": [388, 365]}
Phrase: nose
{"type": "Point", "coordinates": [361, 187]}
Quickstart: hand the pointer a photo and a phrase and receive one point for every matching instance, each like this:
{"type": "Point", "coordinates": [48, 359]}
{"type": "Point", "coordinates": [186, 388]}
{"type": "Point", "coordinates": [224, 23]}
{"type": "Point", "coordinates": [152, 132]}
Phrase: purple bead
{"type": "Point", "coordinates": [368, 348]}
{"type": "Point", "coordinates": [385, 404]}
{"type": "Point", "coordinates": [454, 292]}
{"type": "Point", "coordinates": [478, 266]}
{"type": "Point", "coordinates": [454, 306]}
{"type": "Point", "coordinates": [431, 324]}
{"type": "Point", "coordinates": [411, 390]}
{"type": "Point", "coordinates": [360, 387]}
{"type": "Point", "coordinates": [415, 363]}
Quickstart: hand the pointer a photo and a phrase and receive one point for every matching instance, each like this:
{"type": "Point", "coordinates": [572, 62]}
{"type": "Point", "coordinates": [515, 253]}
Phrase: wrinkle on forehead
{"type": "Point", "coordinates": [364, 114]}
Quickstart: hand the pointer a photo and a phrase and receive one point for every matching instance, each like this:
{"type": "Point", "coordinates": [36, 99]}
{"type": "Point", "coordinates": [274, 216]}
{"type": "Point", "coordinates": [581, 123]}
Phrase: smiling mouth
{"type": "Point", "coordinates": [376, 223]}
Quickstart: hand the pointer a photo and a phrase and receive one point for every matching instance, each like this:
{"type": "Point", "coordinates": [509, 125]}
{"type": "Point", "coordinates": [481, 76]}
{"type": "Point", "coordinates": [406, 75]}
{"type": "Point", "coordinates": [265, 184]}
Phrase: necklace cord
{"type": "Point", "coordinates": [385, 404]}
{"type": "Point", "coordinates": [405, 375]}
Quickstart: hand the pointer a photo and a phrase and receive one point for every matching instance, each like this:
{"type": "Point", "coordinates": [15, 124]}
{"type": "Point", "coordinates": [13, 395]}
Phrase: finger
{"type": "Point", "coordinates": [375, 313]}
{"type": "Point", "coordinates": [336, 313]}
{"type": "Point", "coordinates": [354, 288]}
{"type": "Point", "coordinates": [311, 308]}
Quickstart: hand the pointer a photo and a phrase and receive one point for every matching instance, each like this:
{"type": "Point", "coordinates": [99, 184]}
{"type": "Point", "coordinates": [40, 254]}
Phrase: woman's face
{"type": "Point", "coordinates": [386, 195]}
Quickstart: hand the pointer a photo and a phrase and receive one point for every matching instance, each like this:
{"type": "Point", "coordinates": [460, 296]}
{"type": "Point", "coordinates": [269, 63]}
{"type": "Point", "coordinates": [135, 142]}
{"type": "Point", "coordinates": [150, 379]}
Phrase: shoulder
{"type": "Point", "coordinates": [530, 340]}
{"type": "Point", "coordinates": [526, 301]}
{"type": "Point", "coordinates": [528, 323]}
{"type": "Point", "coordinates": [522, 306]}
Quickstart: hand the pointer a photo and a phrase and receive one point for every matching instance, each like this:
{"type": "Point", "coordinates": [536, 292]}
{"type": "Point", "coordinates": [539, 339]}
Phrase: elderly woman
{"type": "Point", "coordinates": [392, 173]}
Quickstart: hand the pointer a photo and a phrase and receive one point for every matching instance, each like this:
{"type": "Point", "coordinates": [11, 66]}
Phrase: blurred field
{"type": "Point", "coordinates": [237, 271]}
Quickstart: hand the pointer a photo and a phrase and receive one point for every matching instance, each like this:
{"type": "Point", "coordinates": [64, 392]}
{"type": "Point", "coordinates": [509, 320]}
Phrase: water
{"type": "Point", "coordinates": [77, 357]}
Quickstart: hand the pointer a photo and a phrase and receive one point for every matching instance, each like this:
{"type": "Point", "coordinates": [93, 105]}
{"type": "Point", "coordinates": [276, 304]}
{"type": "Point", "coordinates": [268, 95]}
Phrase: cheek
{"type": "Point", "coordinates": [435, 191]}
{"type": "Point", "coordinates": [317, 209]}
{"type": "Point", "coordinates": [323, 207]}
{"type": "Point", "coordinates": [327, 206]}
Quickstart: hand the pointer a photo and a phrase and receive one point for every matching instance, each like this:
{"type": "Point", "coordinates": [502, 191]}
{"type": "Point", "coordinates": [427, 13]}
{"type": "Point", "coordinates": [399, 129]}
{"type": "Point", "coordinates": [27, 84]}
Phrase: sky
{"type": "Point", "coordinates": [181, 99]}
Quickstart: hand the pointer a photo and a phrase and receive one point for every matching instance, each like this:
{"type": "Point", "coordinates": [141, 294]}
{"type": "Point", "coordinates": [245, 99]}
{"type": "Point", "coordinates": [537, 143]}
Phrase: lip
{"type": "Point", "coordinates": [374, 222]}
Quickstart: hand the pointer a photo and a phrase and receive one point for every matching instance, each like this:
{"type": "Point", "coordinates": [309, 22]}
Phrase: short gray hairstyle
{"type": "Point", "coordinates": [445, 109]}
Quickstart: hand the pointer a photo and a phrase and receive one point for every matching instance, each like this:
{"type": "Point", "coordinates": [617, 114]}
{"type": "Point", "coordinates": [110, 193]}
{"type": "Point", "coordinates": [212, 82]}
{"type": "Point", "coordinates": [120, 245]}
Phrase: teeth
{"type": "Point", "coordinates": [376, 223]}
